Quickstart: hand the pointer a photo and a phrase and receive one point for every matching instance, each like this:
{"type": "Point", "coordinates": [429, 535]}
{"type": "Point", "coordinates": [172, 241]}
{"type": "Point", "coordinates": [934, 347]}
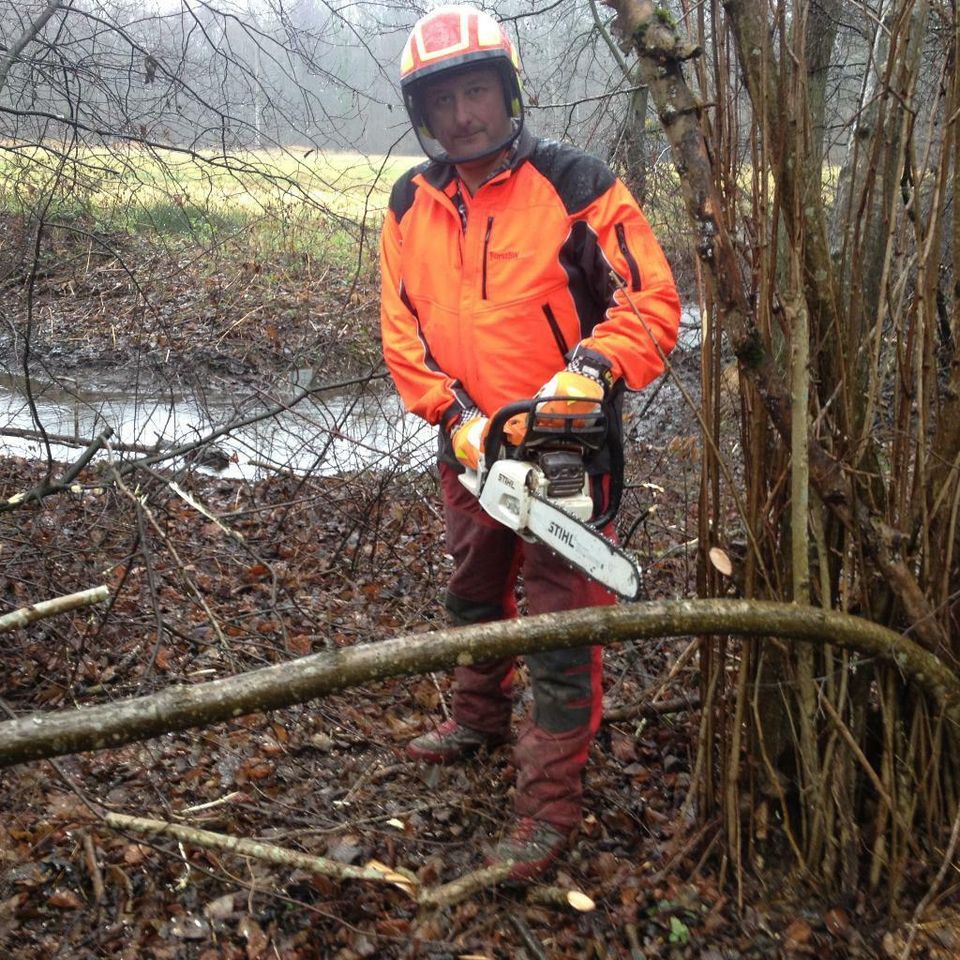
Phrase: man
{"type": "Point", "coordinates": [512, 267]}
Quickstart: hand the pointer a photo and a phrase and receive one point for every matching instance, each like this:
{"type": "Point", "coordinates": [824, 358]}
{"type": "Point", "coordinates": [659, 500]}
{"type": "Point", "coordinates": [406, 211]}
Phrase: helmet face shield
{"type": "Point", "coordinates": [448, 44]}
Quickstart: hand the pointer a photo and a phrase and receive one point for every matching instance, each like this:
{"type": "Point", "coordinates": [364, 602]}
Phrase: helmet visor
{"type": "Point", "coordinates": [466, 114]}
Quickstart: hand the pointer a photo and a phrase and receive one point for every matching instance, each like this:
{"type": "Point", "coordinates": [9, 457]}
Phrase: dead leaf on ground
{"type": "Point", "coordinates": [189, 927]}
{"type": "Point", "coordinates": [222, 908]}
{"type": "Point", "coordinates": [797, 935]}
{"type": "Point", "coordinates": [257, 940]}
{"type": "Point", "coordinates": [64, 900]}
{"type": "Point", "coordinates": [624, 747]}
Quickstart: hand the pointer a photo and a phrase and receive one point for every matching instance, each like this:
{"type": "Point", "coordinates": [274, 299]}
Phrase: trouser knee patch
{"type": "Point", "coordinates": [465, 612]}
{"type": "Point", "coordinates": [563, 689]}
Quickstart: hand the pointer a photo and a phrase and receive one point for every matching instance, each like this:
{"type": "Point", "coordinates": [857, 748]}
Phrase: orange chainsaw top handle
{"type": "Point", "coordinates": [588, 431]}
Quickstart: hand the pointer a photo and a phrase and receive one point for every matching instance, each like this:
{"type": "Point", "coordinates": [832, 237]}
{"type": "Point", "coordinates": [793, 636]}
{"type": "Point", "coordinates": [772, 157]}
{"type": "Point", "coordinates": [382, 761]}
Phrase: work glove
{"type": "Point", "coordinates": [468, 437]}
{"type": "Point", "coordinates": [578, 388]}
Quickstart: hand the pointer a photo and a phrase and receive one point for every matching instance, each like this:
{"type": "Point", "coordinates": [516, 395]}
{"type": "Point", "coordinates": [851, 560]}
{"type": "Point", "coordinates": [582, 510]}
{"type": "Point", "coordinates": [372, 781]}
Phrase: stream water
{"type": "Point", "coordinates": [325, 432]}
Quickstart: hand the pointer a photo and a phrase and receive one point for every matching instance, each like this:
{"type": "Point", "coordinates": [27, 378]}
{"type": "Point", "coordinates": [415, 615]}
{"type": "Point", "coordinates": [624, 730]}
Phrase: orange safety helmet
{"type": "Point", "coordinates": [457, 38]}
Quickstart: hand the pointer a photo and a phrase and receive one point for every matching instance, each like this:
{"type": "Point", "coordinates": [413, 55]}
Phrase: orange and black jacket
{"type": "Point", "coordinates": [484, 298]}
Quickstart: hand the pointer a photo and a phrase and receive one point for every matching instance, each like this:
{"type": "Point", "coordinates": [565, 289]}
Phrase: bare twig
{"type": "Point", "coordinates": [93, 868]}
{"type": "Point", "coordinates": [50, 608]}
{"type": "Point", "coordinates": [201, 599]}
{"type": "Point", "coordinates": [527, 936]}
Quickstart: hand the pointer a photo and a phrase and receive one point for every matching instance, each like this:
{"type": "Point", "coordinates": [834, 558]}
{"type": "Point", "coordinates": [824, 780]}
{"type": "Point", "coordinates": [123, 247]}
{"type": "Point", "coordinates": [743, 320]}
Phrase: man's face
{"type": "Point", "coordinates": [466, 112]}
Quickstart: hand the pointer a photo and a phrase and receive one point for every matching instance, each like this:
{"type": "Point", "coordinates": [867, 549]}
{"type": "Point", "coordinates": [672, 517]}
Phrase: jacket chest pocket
{"type": "Point", "coordinates": [553, 325]}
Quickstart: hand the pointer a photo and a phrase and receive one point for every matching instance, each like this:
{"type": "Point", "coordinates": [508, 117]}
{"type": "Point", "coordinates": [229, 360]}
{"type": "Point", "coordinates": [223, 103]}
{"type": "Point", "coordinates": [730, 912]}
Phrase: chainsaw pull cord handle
{"type": "Point", "coordinates": [494, 443]}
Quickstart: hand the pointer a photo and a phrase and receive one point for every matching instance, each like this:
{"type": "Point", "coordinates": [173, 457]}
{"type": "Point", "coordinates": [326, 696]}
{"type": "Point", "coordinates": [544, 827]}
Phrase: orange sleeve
{"type": "Point", "coordinates": [425, 390]}
{"type": "Point", "coordinates": [643, 317]}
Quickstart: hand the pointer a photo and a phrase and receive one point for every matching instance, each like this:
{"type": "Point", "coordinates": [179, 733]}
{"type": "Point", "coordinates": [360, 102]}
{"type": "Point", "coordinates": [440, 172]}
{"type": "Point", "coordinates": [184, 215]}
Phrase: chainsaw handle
{"type": "Point", "coordinates": [494, 443]}
{"type": "Point", "coordinates": [615, 494]}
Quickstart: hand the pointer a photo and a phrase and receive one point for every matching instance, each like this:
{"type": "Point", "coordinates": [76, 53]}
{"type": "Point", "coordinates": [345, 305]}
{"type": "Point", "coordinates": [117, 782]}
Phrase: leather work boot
{"type": "Point", "coordinates": [451, 742]}
{"type": "Point", "coordinates": [531, 847]}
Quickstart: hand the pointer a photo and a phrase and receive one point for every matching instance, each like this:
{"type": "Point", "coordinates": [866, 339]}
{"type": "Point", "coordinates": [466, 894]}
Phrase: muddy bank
{"type": "Point", "coordinates": [107, 311]}
{"type": "Point", "coordinates": [112, 310]}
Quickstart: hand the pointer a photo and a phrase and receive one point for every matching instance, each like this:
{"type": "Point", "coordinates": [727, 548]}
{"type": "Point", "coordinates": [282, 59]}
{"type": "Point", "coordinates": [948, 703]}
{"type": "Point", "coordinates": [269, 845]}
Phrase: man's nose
{"type": "Point", "coordinates": [461, 109]}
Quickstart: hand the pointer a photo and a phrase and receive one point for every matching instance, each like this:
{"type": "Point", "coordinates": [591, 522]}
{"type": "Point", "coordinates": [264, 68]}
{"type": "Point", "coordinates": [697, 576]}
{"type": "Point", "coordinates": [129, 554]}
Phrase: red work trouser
{"type": "Point", "coordinates": [552, 746]}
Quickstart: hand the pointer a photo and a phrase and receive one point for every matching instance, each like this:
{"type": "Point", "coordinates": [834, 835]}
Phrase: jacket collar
{"type": "Point", "coordinates": [440, 175]}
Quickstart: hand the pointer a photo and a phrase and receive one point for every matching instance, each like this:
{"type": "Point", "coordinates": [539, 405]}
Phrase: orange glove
{"type": "Point", "coordinates": [468, 438]}
{"type": "Point", "coordinates": [515, 429]}
{"type": "Point", "coordinates": [579, 393]}
{"type": "Point", "coordinates": [580, 388]}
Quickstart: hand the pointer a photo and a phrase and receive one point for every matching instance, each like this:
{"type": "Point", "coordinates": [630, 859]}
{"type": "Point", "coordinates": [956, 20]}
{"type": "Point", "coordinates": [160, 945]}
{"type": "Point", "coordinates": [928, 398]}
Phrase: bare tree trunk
{"type": "Point", "coordinates": [820, 35]}
{"type": "Point", "coordinates": [28, 35]}
{"type": "Point", "coordinates": [816, 731]}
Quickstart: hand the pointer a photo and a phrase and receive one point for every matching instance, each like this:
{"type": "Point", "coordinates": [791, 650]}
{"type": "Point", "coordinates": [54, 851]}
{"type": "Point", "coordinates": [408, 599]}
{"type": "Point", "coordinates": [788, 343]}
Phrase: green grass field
{"type": "Point", "coordinates": [276, 208]}
{"type": "Point", "coordinates": [264, 201]}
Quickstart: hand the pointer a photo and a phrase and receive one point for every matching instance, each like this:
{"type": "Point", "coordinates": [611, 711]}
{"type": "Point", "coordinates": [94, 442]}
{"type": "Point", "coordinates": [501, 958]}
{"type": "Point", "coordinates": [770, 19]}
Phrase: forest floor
{"type": "Point", "coordinates": [330, 778]}
{"type": "Point", "coordinates": [320, 564]}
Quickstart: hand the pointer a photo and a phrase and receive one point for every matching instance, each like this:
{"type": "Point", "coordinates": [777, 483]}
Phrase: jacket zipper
{"type": "Point", "coordinates": [486, 249]}
{"type": "Point", "coordinates": [555, 329]}
{"type": "Point", "coordinates": [628, 256]}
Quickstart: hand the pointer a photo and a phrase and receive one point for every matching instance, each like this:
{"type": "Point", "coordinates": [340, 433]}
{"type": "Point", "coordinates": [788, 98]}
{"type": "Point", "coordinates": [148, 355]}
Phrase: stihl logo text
{"type": "Point", "coordinates": [506, 481]}
{"type": "Point", "coordinates": [564, 536]}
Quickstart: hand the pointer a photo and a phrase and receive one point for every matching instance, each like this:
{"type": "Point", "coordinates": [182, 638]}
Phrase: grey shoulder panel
{"type": "Point", "coordinates": [404, 191]}
{"type": "Point", "coordinates": [578, 177]}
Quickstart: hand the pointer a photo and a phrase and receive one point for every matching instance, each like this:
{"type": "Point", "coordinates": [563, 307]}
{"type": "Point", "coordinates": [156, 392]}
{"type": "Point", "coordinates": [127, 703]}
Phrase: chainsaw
{"type": "Point", "coordinates": [540, 489]}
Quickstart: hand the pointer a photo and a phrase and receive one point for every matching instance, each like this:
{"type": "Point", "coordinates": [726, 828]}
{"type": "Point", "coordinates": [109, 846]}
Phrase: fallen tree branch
{"type": "Point", "coordinates": [444, 895]}
{"type": "Point", "coordinates": [72, 440]}
{"type": "Point", "coordinates": [280, 856]}
{"type": "Point", "coordinates": [48, 486]}
{"type": "Point", "coordinates": [470, 883]}
{"type": "Point", "coordinates": [183, 707]}
{"type": "Point", "coordinates": [50, 608]}
{"type": "Point", "coordinates": [630, 711]}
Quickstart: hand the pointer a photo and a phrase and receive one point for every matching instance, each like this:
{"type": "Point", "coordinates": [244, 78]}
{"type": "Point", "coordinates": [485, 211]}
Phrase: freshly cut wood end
{"type": "Point", "coordinates": [721, 561]}
{"type": "Point", "coordinates": [580, 901]}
